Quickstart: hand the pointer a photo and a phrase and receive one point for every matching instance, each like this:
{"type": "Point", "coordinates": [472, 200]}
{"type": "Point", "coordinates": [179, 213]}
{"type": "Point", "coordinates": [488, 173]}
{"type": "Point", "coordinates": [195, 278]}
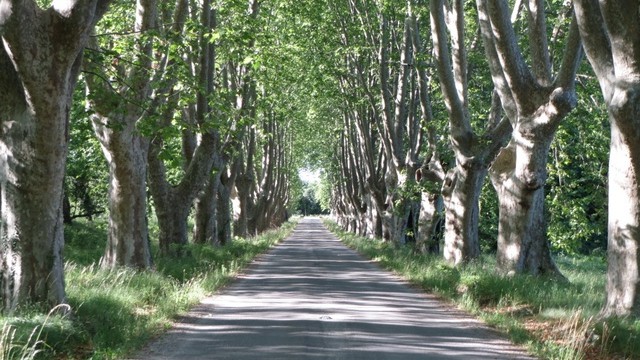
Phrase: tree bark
{"type": "Point", "coordinates": [128, 234]}
{"type": "Point", "coordinates": [39, 63]}
{"type": "Point", "coordinates": [118, 109]}
{"type": "Point", "coordinates": [245, 186]}
{"type": "Point", "coordinates": [611, 38]}
{"type": "Point", "coordinates": [522, 243]}
{"type": "Point", "coordinates": [623, 273]}
{"type": "Point", "coordinates": [223, 203]}
{"type": "Point", "coordinates": [206, 226]}
{"type": "Point", "coordinates": [461, 193]}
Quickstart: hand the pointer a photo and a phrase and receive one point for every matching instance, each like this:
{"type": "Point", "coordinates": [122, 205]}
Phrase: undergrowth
{"type": "Point", "coordinates": [554, 319]}
{"type": "Point", "coordinates": [114, 312]}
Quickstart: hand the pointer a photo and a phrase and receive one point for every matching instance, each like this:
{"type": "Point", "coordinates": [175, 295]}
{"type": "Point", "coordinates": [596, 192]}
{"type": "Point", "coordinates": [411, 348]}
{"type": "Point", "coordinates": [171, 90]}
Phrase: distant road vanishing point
{"type": "Point", "coordinates": [311, 297]}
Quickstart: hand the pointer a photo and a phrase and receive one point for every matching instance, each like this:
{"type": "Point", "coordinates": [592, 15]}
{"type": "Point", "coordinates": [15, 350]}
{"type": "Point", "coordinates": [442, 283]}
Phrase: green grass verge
{"type": "Point", "coordinates": [553, 319]}
{"type": "Point", "coordinates": [115, 312]}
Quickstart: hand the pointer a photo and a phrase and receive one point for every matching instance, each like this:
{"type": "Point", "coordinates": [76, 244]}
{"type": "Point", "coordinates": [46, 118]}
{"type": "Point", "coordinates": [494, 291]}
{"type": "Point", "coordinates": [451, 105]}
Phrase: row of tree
{"type": "Point", "coordinates": [407, 106]}
{"type": "Point", "coordinates": [186, 103]}
{"type": "Point", "coordinates": [396, 177]}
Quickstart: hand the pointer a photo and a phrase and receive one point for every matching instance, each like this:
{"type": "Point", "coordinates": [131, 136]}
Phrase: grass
{"type": "Point", "coordinates": [553, 319]}
{"type": "Point", "coordinates": [115, 312]}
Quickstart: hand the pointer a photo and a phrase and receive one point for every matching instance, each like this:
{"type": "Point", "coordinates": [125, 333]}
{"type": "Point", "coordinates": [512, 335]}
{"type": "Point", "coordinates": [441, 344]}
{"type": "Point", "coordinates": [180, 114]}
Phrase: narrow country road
{"type": "Point", "coordinates": [313, 298]}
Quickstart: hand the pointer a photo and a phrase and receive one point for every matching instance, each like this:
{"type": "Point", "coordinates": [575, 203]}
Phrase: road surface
{"type": "Point", "coordinates": [313, 298]}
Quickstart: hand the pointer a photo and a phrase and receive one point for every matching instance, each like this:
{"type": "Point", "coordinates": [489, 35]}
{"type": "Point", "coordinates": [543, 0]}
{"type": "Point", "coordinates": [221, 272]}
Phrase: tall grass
{"type": "Point", "coordinates": [117, 311]}
{"type": "Point", "coordinates": [23, 338]}
{"type": "Point", "coordinates": [553, 319]}
{"type": "Point", "coordinates": [12, 348]}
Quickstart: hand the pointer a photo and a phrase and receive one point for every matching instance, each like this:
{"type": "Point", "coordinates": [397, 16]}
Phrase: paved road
{"type": "Point", "coordinates": [313, 298]}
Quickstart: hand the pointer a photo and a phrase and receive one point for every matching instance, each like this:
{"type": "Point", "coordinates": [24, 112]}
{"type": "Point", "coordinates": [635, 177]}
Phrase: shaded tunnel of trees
{"type": "Point", "coordinates": [456, 127]}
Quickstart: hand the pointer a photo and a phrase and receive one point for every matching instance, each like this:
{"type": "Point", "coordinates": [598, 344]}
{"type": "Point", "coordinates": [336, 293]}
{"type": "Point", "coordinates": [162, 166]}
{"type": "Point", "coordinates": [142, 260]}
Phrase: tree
{"type": "Point", "coordinates": [39, 64]}
{"type": "Point", "coordinates": [535, 102]}
{"type": "Point", "coordinates": [173, 202]}
{"type": "Point", "coordinates": [119, 84]}
{"type": "Point", "coordinates": [611, 37]}
{"type": "Point", "coordinates": [473, 153]}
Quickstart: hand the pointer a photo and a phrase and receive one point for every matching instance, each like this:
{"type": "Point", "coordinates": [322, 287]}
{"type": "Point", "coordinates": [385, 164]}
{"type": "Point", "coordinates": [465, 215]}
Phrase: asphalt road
{"type": "Point", "coordinates": [313, 298]}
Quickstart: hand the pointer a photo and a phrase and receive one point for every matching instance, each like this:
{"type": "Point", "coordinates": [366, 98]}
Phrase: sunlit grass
{"type": "Point", "coordinates": [116, 311]}
{"type": "Point", "coordinates": [553, 319]}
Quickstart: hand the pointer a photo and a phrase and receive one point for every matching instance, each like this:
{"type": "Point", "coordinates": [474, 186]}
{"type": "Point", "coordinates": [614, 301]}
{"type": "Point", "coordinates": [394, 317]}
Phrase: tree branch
{"type": "Point", "coordinates": [460, 127]}
{"type": "Point", "coordinates": [516, 72]}
{"type": "Point", "coordinates": [537, 25]}
{"type": "Point", "coordinates": [596, 43]}
{"type": "Point", "coordinates": [571, 59]}
{"type": "Point", "coordinates": [497, 74]}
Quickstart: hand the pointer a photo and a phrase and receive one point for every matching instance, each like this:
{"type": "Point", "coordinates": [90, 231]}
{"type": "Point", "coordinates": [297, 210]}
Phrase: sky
{"type": "Point", "coordinates": [309, 176]}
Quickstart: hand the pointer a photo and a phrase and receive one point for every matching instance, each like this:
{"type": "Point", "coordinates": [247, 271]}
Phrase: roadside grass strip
{"type": "Point", "coordinates": [114, 312]}
{"type": "Point", "coordinates": [553, 319]}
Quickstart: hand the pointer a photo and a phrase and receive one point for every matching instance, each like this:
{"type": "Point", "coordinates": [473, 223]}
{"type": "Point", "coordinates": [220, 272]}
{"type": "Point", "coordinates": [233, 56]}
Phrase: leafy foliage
{"type": "Point", "coordinates": [578, 175]}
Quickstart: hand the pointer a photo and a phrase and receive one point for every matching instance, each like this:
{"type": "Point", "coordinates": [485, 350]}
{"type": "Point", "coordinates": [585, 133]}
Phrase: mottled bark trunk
{"type": "Point", "coordinates": [398, 205]}
{"type": "Point", "coordinates": [461, 191]}
{"type": "Point", "coordinates": [611, 42]}
{"type": "Point", "coordinates": [172, 226]}
{"type": "Point", "coordinates": [39, 62]}
{"type": "Point", "coordinates": [206, 227]}
{"type": "Point", "coordinates": [429, 222]}
{"type": "Point", "coordinates": [128, 234]}
{"type": "Point", "coordinates": [518, 175]}
{"type": "Point", "coordinates": [66, 210]}
{"type": "Point", "coordinates": [252, 224]}
{"type": "Point", "coordinates": [259, 222]}
{"type": "Point", "coordinates": [623, 249]}
{"type": "Point", "coordinates": [173, 203]}
{"type": "Point", "coordinates": [536, 102]}
{"type": "Point", "coordinates": [115, 125]}
{"type": "Point", "coordinates": [369, 218]}
{"type": "Point", "coordinates": [241, 225]}
{"type": "Point", "coordinates": [224, 209]}
{"type": "Point", "coordinates": [32, 169]}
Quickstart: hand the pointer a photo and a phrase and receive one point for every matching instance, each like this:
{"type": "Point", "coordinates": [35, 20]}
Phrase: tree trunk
{"type": "Point", "coordinates": [173, 203]}
{"type": "Point", "coordinates": [206, 227]}
{"type": "Point", "coordinates": [128, 237]}
{"type": "Point", "coordinates": [461, 191]}
{"type": "Point", "coordinates": [224, 208]}
{"type": "Point", "coordinates": [115, 121]}
{"type": "Point", "coordinates": [31, 194]}
{"type": "Point", "coordinates": [611, 42]}
{"type": "Point", "coordinates": [523, 246]}
{"type": "Point", "coordinates": [66, 210]}
{"type": "Point", "coordinates": [172, 224]}
{"type": "Point", "coordinates": [429, 221]}
{"type": "Point", "coordinates": [398, 204]}
{"type": "Point", "coordinates": [243, 186]}
{"type": "Point", "coordinates": [39, 63]}
{"type": "Point", "coordinates": [623, 249]}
